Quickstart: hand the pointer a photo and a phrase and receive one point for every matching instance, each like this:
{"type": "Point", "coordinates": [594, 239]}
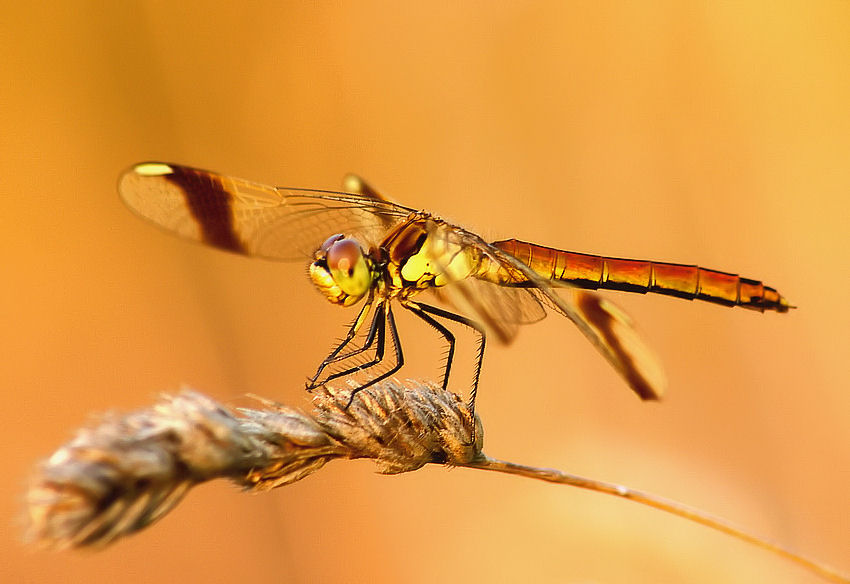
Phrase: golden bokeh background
{"type": "Point", "coordinates": [706, 132]}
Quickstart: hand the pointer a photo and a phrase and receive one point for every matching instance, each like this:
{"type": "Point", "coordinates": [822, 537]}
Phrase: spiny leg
{"type": "Point", "coordinates": [379, 353]}
{"type": "Point", "coordinates": [377, 331]}
{"type": "Point", "coordinates": [417, 309]}
{"type": "Point", "coordinates": [352, 332]}
{"type": "Point", "coordinates": [482, 341]}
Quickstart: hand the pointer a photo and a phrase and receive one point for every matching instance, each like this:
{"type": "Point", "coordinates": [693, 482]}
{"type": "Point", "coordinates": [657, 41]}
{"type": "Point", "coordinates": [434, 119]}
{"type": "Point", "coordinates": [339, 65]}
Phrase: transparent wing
{"type": "Point", "coordinates": [502, 292]}
{"type": "Point", "coordinates": [250, 218]}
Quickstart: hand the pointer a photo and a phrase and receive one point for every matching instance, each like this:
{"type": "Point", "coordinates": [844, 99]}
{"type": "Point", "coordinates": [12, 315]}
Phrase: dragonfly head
{"type": "Point", "coordinates": [341, 271]}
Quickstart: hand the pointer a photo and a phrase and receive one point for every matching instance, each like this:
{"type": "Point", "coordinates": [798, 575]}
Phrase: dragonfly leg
{"type": "Point", "coordinates": [482, 341]}
{"type": "Point", "coordinates": [379, 354]}
{"type": "Point", "coordinates": [376, 332]}
{"type": "Point", "coordinates": [417, 309]}
{"type": "Point", "coordinates": [382, 320]}
{"type": "Point", "coordinates": [334, 357]}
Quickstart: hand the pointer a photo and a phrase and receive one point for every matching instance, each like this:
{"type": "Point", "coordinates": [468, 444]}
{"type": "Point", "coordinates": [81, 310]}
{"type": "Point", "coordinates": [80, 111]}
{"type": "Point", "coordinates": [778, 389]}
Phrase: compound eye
{"type": "Point", "coordinates": [330, 241]}
{"type": "Point", "coordinates": [348, 266]}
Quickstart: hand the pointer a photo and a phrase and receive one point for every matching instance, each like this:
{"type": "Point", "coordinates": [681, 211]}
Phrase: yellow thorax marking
{"type": "Point", "coordinates": [442, 260]}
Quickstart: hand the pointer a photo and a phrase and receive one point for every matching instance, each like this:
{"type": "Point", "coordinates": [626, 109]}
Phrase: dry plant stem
{"type": "Point", "coordinates": [556, 476]}
{"type": "Point", "coordinates": [124, 472]}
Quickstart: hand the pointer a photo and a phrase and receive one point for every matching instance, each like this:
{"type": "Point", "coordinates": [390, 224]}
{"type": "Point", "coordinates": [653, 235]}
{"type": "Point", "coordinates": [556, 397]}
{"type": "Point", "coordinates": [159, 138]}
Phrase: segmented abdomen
{"type": "Point", "coordinates": [681, 280]}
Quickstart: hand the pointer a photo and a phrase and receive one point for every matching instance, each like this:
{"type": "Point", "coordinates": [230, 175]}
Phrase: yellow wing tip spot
{"type": "Point", "coordinates": [152, 169]}
{"type": "Point", "coordinates": [351, 183]}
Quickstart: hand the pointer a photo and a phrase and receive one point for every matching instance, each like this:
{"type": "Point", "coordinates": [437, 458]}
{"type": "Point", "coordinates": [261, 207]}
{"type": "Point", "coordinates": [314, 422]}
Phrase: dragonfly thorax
{"type": "Point", "coordinates": [423, 254]}
{"type": "Point", "coordinates": [341, 270]}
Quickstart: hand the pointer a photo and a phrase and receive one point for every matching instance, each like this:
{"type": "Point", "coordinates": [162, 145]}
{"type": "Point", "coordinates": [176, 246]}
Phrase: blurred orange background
{"type": "Point", "coordinates": [711, 133]}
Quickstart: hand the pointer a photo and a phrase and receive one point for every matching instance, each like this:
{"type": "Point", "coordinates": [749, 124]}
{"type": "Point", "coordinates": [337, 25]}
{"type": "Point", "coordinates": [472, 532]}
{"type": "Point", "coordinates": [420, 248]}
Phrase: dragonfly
{"type": "Point", "coordinates": [363, 247]}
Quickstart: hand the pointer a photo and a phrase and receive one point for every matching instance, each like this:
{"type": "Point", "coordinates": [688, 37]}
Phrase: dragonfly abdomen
{"type": "Point", "coordinates": [680, 280]}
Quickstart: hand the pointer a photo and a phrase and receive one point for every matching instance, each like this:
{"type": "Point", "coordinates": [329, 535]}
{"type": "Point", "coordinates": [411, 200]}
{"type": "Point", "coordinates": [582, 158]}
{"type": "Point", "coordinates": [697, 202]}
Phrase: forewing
{"type": "Point", "coordinates": [250, 218]}
{"type": "Point", "coordinates": [307, 218]}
